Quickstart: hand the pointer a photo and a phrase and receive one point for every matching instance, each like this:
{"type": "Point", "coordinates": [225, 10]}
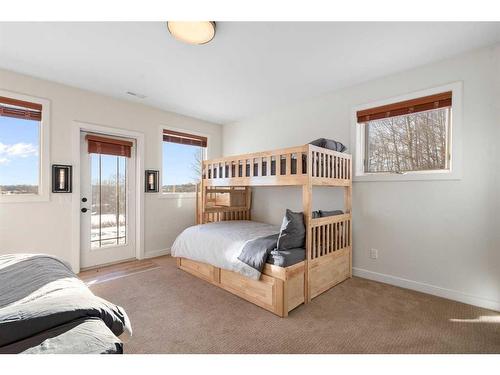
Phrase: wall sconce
{"type": "Point", "coordinates": [152, 181]}
{"type": "Point", "coordinates": [62, 177]}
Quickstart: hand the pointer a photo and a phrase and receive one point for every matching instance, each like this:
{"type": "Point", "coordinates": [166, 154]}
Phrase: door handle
{"type": "Point", "coordinates": [84, 210]}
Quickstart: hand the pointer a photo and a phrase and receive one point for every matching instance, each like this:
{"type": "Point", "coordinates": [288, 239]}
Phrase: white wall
{"type": "Point", "coordinates": [46, 226]}
{"type": "Point", "coordinates": [440, 237]}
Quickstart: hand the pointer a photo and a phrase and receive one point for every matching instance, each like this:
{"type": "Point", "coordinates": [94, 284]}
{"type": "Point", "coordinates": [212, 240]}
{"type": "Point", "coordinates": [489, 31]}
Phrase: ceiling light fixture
{"type": "Point", "coordinates": [197, 33]}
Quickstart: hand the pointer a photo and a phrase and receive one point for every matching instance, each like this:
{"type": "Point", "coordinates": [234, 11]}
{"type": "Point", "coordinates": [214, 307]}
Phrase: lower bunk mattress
{"type": "Point", "coordinates": [221, 244]}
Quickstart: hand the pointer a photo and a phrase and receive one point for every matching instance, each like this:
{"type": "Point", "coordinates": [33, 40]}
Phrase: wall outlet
{"type": "Point", "coordinates": [373, 253]}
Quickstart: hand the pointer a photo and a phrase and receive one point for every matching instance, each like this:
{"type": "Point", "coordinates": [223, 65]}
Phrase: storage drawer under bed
{"type": "Point", "coordinates": [279, 293]}
{"type": "Point", "coordinates": [263, 292]}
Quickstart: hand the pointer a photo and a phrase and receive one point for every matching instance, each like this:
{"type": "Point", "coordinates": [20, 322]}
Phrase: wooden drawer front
{"type": "Point", "coordinates": [329, 272]}
{"type": "Point", "coordinates": [202, 270]}
{"type": "Point", "coordinates": [261, 292]}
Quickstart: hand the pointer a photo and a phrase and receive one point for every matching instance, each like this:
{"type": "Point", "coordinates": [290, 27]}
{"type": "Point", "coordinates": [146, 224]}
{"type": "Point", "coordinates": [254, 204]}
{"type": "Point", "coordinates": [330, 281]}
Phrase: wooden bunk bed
{"type": "Point", "coordinates": [225, 194]}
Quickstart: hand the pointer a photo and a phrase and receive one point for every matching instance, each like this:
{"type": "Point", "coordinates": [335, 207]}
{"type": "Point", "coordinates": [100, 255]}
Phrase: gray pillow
{"type": "Point", "coordinates": [330, 213]}
{"type": "Point", "coordinates": [286, 258]}
{"type": "Point", "coordinates": [329, 144]}
{"type": "Point", "coordinates": [293, 232]}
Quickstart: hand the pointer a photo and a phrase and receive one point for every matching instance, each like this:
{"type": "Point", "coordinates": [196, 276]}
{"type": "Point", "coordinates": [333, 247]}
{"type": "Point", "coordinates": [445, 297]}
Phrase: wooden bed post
{"type": "Point", "coordinates": [198, 204]}
{"type": "Point", "coordinates": [348, 209]}
{"type": "Point", "coordinates": [306, 207]}
{"type": "Point", "coordinates": [307, 210]}
{"type": "Point", "coordinates": [248, 203]}
{"type": "Point", "coordinates": [201, 205]}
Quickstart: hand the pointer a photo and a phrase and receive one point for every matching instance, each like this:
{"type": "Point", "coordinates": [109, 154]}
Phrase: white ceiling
{"type": "Point", "coordinates": [247, 69]}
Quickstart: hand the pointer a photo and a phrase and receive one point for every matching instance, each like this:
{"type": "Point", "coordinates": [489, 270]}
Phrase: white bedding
{"type": "Point", "coordinates": [220, 244]}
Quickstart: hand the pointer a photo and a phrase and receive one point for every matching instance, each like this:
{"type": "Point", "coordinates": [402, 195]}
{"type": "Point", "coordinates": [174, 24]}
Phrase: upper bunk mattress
{"type": "Point", "coordinates": [220, 243]}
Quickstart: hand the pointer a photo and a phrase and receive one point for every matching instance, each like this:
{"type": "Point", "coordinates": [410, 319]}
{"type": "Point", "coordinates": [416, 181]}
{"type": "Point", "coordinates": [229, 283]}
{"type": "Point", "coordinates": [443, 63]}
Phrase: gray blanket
{"type": "Point", "coordinates": [87, 335]}
{"type": "Point", "coordinates": [255, 252]}
{"type": "Point", "coordinates": [40, 293]}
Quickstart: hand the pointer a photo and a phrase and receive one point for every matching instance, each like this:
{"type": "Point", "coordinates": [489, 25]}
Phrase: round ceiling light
{"type": "Point", "coordinates": [192, 32]}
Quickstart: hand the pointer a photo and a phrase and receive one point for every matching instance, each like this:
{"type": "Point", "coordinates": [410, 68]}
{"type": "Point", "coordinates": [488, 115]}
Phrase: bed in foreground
{"type": "Point", "coordinates": [45, 308]}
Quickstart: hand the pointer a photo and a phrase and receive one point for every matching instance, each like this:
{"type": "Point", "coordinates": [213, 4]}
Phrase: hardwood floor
{"type": "Point", "coordinates": [111, 272]}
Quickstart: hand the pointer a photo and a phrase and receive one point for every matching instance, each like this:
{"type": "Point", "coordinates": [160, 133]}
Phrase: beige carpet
{"type": "Point", "coordinates": [174, 312]}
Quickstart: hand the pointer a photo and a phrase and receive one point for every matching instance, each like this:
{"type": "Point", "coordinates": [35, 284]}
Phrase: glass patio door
{"type": "Point", "coordinates": [107, 206]}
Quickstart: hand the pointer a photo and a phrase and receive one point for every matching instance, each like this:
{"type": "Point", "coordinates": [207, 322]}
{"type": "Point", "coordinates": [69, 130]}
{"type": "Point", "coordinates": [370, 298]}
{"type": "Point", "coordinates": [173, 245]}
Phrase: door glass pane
{"type": "Point", "coordinates": [109, 203]}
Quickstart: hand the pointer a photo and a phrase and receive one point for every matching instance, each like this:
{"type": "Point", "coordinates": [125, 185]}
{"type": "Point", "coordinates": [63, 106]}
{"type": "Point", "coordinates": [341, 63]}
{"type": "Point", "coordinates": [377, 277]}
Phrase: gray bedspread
{"type": "Point", "coordinates": [86, 335]}
{"type": "Point", "coordinates": [40, 293]}
{"type": "Point", "coordinates": [255, 252]}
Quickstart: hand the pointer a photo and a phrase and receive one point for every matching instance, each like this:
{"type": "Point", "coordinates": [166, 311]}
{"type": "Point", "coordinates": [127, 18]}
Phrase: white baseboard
{"type": "Point", "coordinates": [427, 288]}
{"type": "Point", "coordinates": [156, 253]}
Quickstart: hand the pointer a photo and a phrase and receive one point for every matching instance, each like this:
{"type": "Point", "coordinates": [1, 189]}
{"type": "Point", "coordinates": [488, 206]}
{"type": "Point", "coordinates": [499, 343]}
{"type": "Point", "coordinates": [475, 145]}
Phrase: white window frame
{"type": "Point", "coordinates": [43, 194]}
{"type": "Point", "coordinates": [454, 172]}
{"type": "Point", "coordinates": [192, 195]}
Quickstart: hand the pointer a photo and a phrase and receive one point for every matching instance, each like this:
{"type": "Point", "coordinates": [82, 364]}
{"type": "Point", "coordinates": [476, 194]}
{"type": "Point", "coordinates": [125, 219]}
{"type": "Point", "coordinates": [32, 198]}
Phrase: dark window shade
{"type": "Point", "coordinates": [422, 104]}
{"type": "Point", "coordinates": [184, 138]}
{"type": "Point", "coordinates": [20, 109]}
{"type": "Point", "coordinates": [108, 146]}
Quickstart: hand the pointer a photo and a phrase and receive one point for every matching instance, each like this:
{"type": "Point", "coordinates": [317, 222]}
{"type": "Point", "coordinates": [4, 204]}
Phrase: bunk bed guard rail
{"type": "Point", "coordinates": [289, 166]}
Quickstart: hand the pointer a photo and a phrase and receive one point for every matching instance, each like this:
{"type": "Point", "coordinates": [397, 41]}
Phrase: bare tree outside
{"type": "Point", "coordinates": [108, 202]}
{"type": "Point", "coordinates": [194, 174]}
{"type": "Point", "coordinates": [415, 142]}
{"type": "Point", "coordinates": [196, 165]}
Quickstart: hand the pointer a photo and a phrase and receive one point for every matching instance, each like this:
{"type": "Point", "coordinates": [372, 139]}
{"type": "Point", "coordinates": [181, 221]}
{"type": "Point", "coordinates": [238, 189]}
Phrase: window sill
{"type": "Point", "coordinates": [177, 195]}
{"type": "Point", "coordinates": [410, 176]}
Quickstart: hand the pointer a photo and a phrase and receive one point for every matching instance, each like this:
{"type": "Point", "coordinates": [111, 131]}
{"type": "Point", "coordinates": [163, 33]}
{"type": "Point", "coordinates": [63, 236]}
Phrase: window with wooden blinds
{"type": "Point", "coordinates": [406, 107]}
{"type": "Point", "coordinates": [109, 146]}
{"type": "Point", "coordinates": [20, 109]}
{"type": "Point", "coordinates": [184, 138]}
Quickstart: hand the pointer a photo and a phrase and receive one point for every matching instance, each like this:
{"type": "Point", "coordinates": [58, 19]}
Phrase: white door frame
{"type": "Point", "coordinates": [78, 127]}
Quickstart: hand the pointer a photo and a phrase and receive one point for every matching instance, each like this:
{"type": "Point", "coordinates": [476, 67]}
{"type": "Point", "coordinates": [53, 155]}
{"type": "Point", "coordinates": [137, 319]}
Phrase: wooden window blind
{"type": "Point", "coordinates": [20, 109]}
{"type": "Point", "coordinates": [406, 107]}
{"type": "Point", "coordinates": [108, 146]}
{"type": "Point", "coordinates": [184, 138]}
